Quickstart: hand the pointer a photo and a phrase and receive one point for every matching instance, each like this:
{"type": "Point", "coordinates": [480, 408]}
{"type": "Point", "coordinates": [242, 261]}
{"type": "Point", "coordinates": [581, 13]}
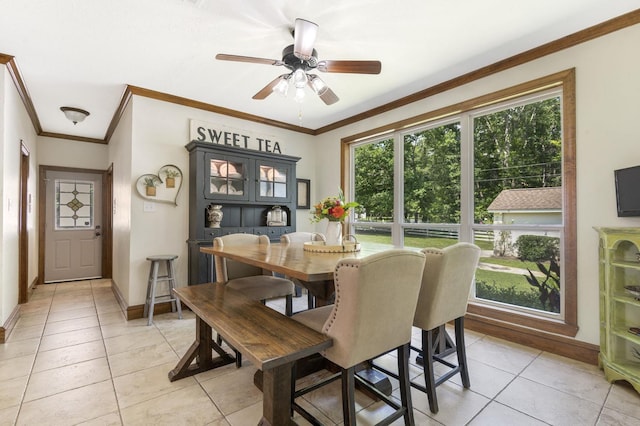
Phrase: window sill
{"type": "Point", "coordinates": [546, 325]}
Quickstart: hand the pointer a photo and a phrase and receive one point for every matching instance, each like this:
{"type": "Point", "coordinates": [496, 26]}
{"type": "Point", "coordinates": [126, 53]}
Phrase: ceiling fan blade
{"type": "Point", "coordinates": [304, 35]}
{"type": "Point", "coordinates": [320, 87]}
{"type": "Point", "coordinates": [251, 59]}
{"type": "Point", "coordinates": [268, 89]}
{"type": "Point", "coordinates": [355, 67]}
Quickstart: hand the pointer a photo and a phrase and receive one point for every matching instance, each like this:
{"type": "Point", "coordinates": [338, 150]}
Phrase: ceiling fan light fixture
{"type": "Point", "coordinates": [300, 78]}
{"type": "Point", "coordinates": [75, 115]}
{"type": "Point", "coordinates": [299, 97]}
{"type": "Point", "coordinates": [282, 87]}
{"type": "Point", "coordinates": [304, 37]}
{"type": "Point", "coordinates": [317, 84]}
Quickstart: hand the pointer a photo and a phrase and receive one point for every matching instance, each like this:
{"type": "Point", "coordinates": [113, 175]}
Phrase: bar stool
{"type": "Point", "coordinates": [154, 279]}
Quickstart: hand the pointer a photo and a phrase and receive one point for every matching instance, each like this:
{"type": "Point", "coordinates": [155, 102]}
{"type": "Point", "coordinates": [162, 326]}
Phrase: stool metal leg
{"type": "Point", "coordinates": [147, 299]}
{"type": "Point", "coordinates": [172, 285]}
{"type": "Point", "coordinates": [153, 291]}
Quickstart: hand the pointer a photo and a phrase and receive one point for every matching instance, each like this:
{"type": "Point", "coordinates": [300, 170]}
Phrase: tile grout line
{"type": "Point", "coordinates": [33, 363]}
{"type": "Point", "coordinates": [494, 398]}
{"type": "Point", "coordinates": [106, 354]}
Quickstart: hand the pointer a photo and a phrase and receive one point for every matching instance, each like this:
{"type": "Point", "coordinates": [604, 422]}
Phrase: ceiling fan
{"type": "Point", "coordinates": [300, 58]}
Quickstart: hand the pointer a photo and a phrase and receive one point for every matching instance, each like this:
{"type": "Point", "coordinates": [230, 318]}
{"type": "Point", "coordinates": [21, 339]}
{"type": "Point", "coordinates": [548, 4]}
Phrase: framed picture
{"type": "Point", "coordinates": [304, 196]}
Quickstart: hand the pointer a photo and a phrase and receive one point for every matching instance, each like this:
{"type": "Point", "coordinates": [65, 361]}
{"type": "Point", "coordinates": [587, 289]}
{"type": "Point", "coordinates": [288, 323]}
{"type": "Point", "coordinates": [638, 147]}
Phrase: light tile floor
{"type": "Point", "coordinates": [73, 359]}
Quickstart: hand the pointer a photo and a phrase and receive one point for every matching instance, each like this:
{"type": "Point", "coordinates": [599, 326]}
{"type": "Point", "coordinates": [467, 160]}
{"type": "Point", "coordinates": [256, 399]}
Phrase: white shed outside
{"type": "Point", "coordinates": [525, 206]}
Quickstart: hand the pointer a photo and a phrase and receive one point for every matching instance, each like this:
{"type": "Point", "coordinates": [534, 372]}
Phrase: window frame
{"type": "Point", "coordinates": [490, 314]}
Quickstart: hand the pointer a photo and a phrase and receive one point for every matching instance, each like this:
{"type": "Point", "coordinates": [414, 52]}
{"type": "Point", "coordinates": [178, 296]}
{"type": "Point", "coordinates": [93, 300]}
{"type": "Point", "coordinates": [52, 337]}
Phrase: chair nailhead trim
{"type": "Point", "coordinates": [337, 301]}
{"type": "Point", "coordinates": [433, 252]}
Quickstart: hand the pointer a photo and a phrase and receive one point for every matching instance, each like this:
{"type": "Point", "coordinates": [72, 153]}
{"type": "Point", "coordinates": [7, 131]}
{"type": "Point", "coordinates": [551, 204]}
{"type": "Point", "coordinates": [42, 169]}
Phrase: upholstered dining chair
{"type": "Point", "coordinates": [248, 279]}
{"type": "Point", "coordinates": [446, 283]}
{"type": "Point", "coordinates": [302, 237]}
{"type": "Point", "coordinates": [376, 297]}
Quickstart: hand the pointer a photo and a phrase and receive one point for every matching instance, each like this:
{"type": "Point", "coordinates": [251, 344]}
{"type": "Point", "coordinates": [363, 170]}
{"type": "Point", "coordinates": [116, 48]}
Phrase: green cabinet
{"type": "Point", "coordinates": [247, 184]}
{"type": "Point", "coordinates": [619, 271]}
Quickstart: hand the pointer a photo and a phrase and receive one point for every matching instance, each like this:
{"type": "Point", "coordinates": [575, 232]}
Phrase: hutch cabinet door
{"type": "Point", "coordinates": [228, 177]}
{"type": "Point", "coordinates": [274, 182]}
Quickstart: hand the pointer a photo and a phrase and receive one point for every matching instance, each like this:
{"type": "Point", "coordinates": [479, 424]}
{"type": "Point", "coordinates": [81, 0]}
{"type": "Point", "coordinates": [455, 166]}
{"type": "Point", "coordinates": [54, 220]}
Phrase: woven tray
{"type": "Point", "coordinates": [321, 247]}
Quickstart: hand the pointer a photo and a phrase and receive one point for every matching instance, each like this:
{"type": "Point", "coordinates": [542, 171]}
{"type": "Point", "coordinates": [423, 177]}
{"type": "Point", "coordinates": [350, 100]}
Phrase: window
{"type": "Point", "coordinates": [517, 195]}
{"type": "Point", "coordinates": [497, 171]}
{"type": "Point", "coordinates": [374, 190]}
{"type": "Point", "coordinates": [74, 204]}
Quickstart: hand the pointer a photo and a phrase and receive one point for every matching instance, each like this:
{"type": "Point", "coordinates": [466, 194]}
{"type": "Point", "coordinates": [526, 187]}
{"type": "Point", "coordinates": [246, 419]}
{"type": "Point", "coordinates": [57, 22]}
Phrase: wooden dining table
{"type": "Point", "coordinates": [313, 270]}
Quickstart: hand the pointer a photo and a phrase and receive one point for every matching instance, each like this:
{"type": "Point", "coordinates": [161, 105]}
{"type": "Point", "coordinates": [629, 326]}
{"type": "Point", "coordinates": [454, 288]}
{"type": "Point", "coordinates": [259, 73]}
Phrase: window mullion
{"type": "Point", "coordinates": [466, 178]}
{"type": "Point", "coordinates": [397, 233]}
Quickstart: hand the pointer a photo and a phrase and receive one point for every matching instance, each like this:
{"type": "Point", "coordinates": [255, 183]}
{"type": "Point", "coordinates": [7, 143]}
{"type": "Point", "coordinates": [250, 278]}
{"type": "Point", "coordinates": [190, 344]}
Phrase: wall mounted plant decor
{"type": "Point", "coordinates": [162, 187]}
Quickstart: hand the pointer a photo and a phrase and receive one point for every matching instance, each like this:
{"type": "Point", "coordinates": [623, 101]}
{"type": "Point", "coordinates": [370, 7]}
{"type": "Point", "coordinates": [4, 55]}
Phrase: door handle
{"type": "Point", "coordinates": [98, 233]}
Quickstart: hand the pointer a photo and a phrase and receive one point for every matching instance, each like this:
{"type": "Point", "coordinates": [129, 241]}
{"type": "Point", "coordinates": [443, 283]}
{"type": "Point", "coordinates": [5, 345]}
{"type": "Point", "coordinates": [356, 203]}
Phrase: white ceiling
{"type": "Point", "coordinates": [83, 53]}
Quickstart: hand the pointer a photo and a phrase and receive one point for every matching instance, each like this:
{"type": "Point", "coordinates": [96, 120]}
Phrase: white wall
{"type": "Point", "coordinates": [67, 153]}
{"type": "Point", "coordinates": [607, 138]}
{"type": "Point", "coordinates": [15, 128]}
{"type": "Point", "coordinates": [7, 301]}
{"type": "Point", "coordinates": [160, 132]}
{"type": "Point", "coordinates": [120, 153]}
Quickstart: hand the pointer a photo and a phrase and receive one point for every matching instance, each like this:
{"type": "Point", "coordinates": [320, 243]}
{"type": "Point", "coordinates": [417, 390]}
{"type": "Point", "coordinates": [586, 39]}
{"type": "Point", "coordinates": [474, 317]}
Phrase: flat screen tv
{"type": "Point", "coordinates": [628, 191]}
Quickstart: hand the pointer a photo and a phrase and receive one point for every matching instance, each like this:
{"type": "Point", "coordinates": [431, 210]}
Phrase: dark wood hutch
{"type": "Point", "coordinates": [247, 184]}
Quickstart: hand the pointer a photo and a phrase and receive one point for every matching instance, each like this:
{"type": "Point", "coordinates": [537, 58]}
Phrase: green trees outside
{"type": "Point", "coordinates": [519, 147]}
{"type": "Point", "coordinates": [432, 175]}
{"type": "Point", "coordinates": [374, 180]}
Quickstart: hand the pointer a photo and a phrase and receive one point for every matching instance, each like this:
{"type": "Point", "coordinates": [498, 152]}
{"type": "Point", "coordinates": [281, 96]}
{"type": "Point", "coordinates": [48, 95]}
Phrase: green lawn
{"type": "Point", "coordinates": [497, 277]}
{"type": "Point", "coordinates": [503, 279]}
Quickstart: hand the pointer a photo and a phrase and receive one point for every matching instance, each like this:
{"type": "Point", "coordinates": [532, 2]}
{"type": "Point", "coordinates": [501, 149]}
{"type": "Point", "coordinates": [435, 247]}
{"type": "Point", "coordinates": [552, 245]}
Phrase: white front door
{"type": "Point", "coordinates": [73, 243]}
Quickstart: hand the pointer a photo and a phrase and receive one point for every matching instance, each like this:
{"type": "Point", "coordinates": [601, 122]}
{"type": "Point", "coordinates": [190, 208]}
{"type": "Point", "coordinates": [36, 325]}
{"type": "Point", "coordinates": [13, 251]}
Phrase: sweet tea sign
{"type": "Point", "coordinates": [223, 135]}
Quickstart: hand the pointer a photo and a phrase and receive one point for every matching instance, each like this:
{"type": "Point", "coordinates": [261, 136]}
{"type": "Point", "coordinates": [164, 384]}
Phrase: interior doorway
{"type": "Point", "coordinates": [23, 228]}
{"type": "Point", "coordinates": [74, 224]}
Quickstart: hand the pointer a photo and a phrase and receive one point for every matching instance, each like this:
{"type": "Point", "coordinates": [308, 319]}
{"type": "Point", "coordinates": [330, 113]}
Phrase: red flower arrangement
{"type": "Point", "coordinates": [333, 208]}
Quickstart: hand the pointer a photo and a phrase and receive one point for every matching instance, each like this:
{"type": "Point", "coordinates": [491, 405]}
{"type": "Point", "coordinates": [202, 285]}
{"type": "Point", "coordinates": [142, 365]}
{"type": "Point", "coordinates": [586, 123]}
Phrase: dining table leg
{"type": "Point", "coordinates": [322, 291]}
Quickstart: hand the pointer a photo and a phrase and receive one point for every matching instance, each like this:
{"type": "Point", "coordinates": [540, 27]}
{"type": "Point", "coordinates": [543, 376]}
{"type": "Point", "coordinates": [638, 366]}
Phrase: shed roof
{"type": "Point", "coordinates": [528, 199]}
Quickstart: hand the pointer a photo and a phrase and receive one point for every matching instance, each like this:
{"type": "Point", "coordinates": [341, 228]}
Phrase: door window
{"type": "Point", "coordinates": [74, 204]}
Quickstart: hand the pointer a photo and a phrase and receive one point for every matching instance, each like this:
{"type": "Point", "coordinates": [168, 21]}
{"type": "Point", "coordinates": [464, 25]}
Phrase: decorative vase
{"type": "Point", "coordinates": [171, 182]}
{"type": "Point", "coordinates": [151, 191]}
{"type": "Point", "coordinates": [214, 215]}
{"type": "Point", "coordinates": [333, 233]}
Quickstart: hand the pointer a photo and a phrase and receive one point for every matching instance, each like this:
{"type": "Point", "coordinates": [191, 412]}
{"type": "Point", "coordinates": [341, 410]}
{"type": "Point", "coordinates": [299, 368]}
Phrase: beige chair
{"type": "Point", "coordinates": [302, 237]}
{"type": "Point", "coordinates": [444, 295]}
{"type": "Point", "coordinates": [376, 297]}
{"type": "Point", "coordinates": [248, 279]}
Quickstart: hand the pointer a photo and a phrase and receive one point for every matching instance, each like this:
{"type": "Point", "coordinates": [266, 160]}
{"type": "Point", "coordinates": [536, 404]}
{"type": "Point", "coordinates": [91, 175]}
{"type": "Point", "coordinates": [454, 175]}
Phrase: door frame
{"type": "Point", "coordinates": [107, 219]}
{"type": "Point", "coordinates": [23, 227]}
